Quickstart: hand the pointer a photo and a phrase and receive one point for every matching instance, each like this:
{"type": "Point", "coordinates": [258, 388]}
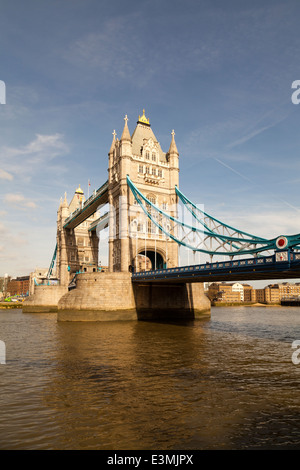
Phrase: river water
{"type": "Point", "coordinates": [227, 382]}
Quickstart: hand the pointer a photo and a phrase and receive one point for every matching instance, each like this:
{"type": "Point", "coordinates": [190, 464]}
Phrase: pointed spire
{"type": "Point", "coordinates": [65, 203]}
{"type": "Point", "coordinates": [112, 147]}
{"type": "Point", "coordinates": [126, 133]}
{"type": "Point", "coordinates": [173, 147]}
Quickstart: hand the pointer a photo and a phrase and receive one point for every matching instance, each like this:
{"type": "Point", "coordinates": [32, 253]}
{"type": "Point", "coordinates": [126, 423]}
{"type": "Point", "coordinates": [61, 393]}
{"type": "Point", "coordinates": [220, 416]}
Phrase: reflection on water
{"type": "Point", "coordinates": [227, 382]}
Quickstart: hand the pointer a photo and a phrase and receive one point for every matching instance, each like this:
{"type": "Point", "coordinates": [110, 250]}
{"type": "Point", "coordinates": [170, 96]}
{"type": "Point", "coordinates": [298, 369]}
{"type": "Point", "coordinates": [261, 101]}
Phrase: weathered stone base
{"type": "Point", "coordinates": [45, 299]}
{"type": "Point", "coordinates": [113, 297]}
{"type": "Point", "coordinates": [99, 297]}
{"type": "Point", "coordinates": [171, 315]}
{"type": "Point", "coordinates": [171, 301]}
{"type": "Point", "coordinates": [96, 315]}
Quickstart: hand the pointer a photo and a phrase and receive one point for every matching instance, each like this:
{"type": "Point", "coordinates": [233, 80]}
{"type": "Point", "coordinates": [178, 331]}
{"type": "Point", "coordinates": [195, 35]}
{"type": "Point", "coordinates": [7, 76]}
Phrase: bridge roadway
{"type": "Point", "coordinates": [281, 265]}
{"type": "Point", "coordinates": [88, 208]}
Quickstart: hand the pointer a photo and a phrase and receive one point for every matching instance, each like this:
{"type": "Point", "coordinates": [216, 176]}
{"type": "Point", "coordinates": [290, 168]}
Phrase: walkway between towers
{"type": "Point", "coordinates": [89, 207]}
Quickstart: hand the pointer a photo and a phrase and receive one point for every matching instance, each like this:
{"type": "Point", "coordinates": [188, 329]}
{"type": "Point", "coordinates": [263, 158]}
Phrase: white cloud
{"type": "Point", "coordinates": [41, 148]}
{"type": "Point", "coordinates": [3, 229]}
{"type": "Point", "coordinates": [270, 119]}
{"type": "Point", "coordinates": [13, 198]}
{"type": "Point", "coordinates": [4, 175]}
{"type": "Point", "coordinates": [28, 159]}
{"type": "Point", "coordinates": [19, 201]}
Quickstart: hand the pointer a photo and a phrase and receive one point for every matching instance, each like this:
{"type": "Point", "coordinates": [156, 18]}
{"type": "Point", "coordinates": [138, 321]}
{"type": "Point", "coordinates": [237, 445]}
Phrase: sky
{"type": "Point", "coordinates": [218, 72]}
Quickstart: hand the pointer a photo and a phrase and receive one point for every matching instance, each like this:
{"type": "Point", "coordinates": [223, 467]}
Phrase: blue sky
{"type": "Point", "coordinates": [217, 72]}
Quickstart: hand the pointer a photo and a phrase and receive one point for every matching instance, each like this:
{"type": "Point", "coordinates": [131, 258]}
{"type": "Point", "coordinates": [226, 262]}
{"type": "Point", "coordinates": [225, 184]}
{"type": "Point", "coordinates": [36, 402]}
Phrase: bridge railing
{"type": "Point", "coordinates": [218, 266]}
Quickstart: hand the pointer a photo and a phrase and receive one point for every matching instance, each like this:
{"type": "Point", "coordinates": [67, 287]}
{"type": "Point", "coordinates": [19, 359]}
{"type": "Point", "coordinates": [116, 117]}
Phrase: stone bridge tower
{"type": "Point", "coordinates": [134, 241]}
{"type": "Point", "coordinates": [77, 249]}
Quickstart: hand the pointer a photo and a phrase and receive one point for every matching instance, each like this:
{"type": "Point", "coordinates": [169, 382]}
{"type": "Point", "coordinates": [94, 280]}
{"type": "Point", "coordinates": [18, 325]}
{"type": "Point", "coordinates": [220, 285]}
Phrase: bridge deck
{"type": "Point", "coordinates": [89, 207]}
{"type": "Point", "coordinates": [268, 267]}
{"type": "Point", "coordinates": [100, 224]}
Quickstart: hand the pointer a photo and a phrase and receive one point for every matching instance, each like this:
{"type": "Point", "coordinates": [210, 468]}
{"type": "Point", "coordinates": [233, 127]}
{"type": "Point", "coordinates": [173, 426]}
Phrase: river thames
{"type": "Point", "coordinates": [225, 382]}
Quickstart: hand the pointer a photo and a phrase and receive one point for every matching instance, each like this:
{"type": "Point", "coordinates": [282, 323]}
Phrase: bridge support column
{"type": "Point", "coordinates": [156, 301]}
{"type": "Point", "coordinates": [63, 265]}
{"type": "Point", "coordinates": [112, 230]}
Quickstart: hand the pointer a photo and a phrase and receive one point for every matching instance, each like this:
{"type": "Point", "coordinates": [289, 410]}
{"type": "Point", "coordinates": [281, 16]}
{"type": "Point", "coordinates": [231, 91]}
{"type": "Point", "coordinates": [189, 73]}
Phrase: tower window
{"type": "Point", "coordinates": [154, 171]}
{"type": "Point", "coordinates": [154, 157]}
{"type": "Point", "coordinates": [147, 155]}
{"type": "Point", "coordinates": [147, 170]}
{"type": "Point", "coordinates": [151, 227]}
{"type": "Point", "coordinates": [141, 169]}
{"type": "Point", "coordinates": [80, 242]}
{"type": "Point", "coordinates": [151, 198]}
{"type": "Point", "coordinates": [160, 173]}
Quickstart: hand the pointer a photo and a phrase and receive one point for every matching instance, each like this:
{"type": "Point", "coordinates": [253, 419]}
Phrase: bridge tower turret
{"type": "Point", "coordinates": [61, 240]}
{"type": "Point", "coordinates": [134, 241]}
{"type": "Point", "coordinates": [77, 249]}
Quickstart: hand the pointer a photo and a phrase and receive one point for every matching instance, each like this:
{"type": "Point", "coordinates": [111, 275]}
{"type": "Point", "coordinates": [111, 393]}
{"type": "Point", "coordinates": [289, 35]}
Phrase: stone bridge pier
{"type": "Point", "coordinates": [112, 296]}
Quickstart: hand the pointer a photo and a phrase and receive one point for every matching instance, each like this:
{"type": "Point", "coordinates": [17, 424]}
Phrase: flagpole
{"type": "Point", "coordinates": [89, 188]}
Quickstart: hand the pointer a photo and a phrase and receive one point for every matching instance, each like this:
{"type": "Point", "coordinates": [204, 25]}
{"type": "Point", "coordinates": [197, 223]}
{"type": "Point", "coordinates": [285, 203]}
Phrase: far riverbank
{"type": "Point", "coordinates": [5, 305]}
{"type": "Point", "coordinates": [242, 304]}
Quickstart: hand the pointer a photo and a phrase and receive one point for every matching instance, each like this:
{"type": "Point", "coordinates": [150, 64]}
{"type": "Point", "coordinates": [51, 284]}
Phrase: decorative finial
{"type": "Point", "coordinates": [126, 134]}
{"type": "Point", "coordinates": [113, 142]}
{"type": "Point", "coordinates": [79, 190]}
{"type": "Point", "coordinates": [143, 119]}
{"type": "Point", "coordinates": [173, 147]}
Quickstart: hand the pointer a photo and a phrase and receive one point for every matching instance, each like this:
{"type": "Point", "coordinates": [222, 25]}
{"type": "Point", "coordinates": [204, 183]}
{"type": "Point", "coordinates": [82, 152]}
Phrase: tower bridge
{"type": "Point", "coordinates": [146, 230]}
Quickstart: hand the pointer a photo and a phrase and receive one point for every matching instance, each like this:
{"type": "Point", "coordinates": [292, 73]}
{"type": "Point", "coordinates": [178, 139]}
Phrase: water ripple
{"type": "Point", "coordinates": [226, 383]}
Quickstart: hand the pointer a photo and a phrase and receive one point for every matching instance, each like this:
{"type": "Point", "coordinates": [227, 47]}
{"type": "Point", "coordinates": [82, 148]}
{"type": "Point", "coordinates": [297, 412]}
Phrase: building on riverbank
{"type": "Point", "coordinates": [238, 293]}
{"type": "Point", "coordinates": [274, 293]}
{"type": "Point", "coordinates": [18, 286]}
{"type": "Point", "coordinates": [230, 292]}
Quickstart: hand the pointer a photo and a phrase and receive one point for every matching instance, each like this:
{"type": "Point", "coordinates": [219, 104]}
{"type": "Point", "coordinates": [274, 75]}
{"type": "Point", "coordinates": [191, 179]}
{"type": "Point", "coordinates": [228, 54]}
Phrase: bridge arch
{"type": "Point", "coordinates": [153, 259]}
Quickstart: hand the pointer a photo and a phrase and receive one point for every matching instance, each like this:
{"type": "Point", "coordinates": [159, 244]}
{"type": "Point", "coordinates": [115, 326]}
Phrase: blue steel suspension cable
{"type": "Point", "coordinates": [187, 202]}
{"type": "Point", "coordinates": [268, 244]}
